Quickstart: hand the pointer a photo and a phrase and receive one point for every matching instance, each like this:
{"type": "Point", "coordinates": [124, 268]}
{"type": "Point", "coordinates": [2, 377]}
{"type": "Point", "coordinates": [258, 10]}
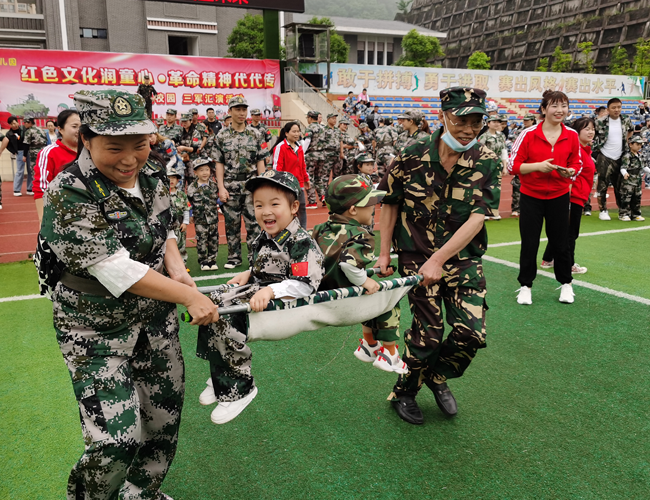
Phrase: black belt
{"type": "Point", "coordinates": [84, 285]}
{"type": "Point", "coordinates": [238, 177]}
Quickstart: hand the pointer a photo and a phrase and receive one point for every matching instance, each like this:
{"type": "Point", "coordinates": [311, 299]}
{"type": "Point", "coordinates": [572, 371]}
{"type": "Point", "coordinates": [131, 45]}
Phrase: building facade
{"type": "Point", "coordinates": [517, 33]}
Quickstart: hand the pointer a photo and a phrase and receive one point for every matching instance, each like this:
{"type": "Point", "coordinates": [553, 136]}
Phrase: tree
{"type": "Point", "coordinates": [543, 65]}
{"type": "Point", "coordinates": [403, 6]}
{"type": "Point", "coordinates": [478, 60]}
{"type": "Point", "coordinates": [588, 63]}
{"type": "Point", "coordinates": [561, 61]}
{"type": "Point", "coordinates": [418, 49]}
{"type": "Point", "coordinates": [339, 50]}
{"type": "Point", "coordinates": [619, 62]}
{"type": "Point", "coordinates": [247, 38]}
{"type": "Point", "coordinates": [641, 63]}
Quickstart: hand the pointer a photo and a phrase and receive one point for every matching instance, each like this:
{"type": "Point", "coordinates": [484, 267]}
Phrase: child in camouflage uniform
{"type": "Point", "coordinates": [203, 194]}
{"type": "Point", "coordinates": [348, 248]}
{"type": "Point", "coordinates": [632, 182]}
{"type": "Point", "coordinates": [286, 264]}
{"type": "Point", "coordinates": [364, 166]}
{"type": "Point", "coordinates": [180, 210]}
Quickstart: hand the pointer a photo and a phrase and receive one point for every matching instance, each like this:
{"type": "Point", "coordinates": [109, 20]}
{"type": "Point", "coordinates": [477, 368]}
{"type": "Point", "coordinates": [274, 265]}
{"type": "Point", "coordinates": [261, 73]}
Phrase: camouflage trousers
{"type": "Point", "coordinates": [609, 171]}
{"type": "Point", "coordinates": [130, 411]}
{"type": "Point", "coordinates": [631, 191]}
{"type": "Point", "coordinates": [181, 242]}
{"type": "Point", "coordinates": [516, 193]}
{"type": "Point", "coordinates": [384, 161]}
{"type": "Point", "coordinates": [432, 360]}
{"type": "Point", "coordinates": [386, 326]}
{"type": "Point", "coordinates": [238, 206]}
{"type": "Point", "coordinates": [319, 173]}
{"type": "Point", "coordinates": [223, 345]}
{"type": "Point", "coordinates": [207, 242]}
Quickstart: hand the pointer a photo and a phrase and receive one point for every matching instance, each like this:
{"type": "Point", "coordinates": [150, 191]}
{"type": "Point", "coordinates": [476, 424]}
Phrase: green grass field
{"type": "Point", "coordinates": [557, 406]}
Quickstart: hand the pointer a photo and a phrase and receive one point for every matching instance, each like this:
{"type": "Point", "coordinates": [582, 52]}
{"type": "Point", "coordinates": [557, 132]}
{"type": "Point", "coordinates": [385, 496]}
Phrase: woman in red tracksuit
{"type": "Point", "coordinates": [546, 156]}
{"type": "Point", "coordinates": [288, 156]}
{"type": "Point", "coordinates": [580, 192]}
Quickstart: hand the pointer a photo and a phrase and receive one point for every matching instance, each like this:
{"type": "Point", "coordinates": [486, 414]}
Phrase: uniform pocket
{"type": "Point", "coordinates": [93, 421]}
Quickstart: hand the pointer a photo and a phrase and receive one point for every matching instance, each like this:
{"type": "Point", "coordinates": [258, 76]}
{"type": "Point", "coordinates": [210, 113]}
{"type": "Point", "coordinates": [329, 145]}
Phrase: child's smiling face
{"type": "Point", "coordinates": [367, 167]}
{"type": "Point", "coordinates": [273, 211]}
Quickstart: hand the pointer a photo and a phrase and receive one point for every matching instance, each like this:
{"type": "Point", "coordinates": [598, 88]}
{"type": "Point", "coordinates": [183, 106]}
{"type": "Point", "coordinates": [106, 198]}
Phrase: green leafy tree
{"type": "Point", "coordinates": [418, 49]}
{"type": "Point", "coordinates": [641, 63]}
{"type": "Point", "coordinates": [561, 61]}
{"type": "Point", "coordinates": [619, 62]}
{"type": "Point", "coordinates": [339, 50]}
{"type": "Point", "coordinates": [543, 65]}
{"type": "Point", "coordinates": [247, 38]}
{"type": "Point", "coordinates": [404, 6]}
{"type": "Point", "coordinates": [478, 60]}
{"type": "Point", "coordinates": [588, 62]}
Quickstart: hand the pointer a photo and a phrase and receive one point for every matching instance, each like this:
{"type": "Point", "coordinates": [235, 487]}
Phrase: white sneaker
{"type": "Point", "coordinates": [225, 412]}
{"type": "Point", "coordinates": [214, 267]}
{"type": "Point", "coordinates": [366, 353]}
{"type": "Point", "coordinates": [577, 269]}
{"type": "Point", "coordinates": [637, 218]}
{"type": "Point", "coordinates": [208, 397]}
{"type": "Point", "coordinates": [205, 268]}
{"type": "Point", "coordinates": [525, 296]}
{"type": "Point", "coordinates": [624, 218]}
{"type": "Point", "coordinates": [17, 194]}
{"type": "Point", "coordinates": [566, 293]}
{"type": "Point", "coordinates": [603, 215]}
{"type": "Point", "coordinates": [390, 363]}
{"type": "Point", "coordinates": [30, 193]}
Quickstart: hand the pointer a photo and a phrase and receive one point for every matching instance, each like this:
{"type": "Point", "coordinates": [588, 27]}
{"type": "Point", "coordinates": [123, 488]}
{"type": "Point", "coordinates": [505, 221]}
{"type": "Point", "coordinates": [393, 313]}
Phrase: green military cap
{"type": "Point", "coordinates": [463, 101]}
{"type": "Point", "coordinates": [363, 125]}
{"type": "Point", "coordinates": [636, 138]}
{"type": "Point", "coordinates": [412, 114]}
{"type": "Point", "coordinates": [332, 115]}
{"type": "Point", "coordinates": [160, 121]}
{"type": "Point", "coordinates": [364, 158]}
{"type": "Point", "coordinates": [203, 160]}
{"type": "Point", "coordinates": [113, 112]}
{"type": "Point", "coordinates": [284, 179]}
{"type": "Point", "coordinates": [237, 101]}
{"type": "Point", "coordinates": [503, 118]}
{"type": "Point", "coordinates": [255, 112]}
{"type": "Point", "coordinates": [529, 117]}
{"type": "Point", "coordinates": [186, 117]}
{"type": "Point", "coordinates": [226, 117]}
{"type": "Point", "coordinates": [493, 119]}
{"type": "Point", "coordinates": [193, 111]}
{"type": "Point", "coordinates": [172, 111]}
{"type": "Point", "coordinates": [344, 121]}
{"type": "Point", "coordinates": [351, 191]}
{"type": "Point", "coordinates": [313, 114]}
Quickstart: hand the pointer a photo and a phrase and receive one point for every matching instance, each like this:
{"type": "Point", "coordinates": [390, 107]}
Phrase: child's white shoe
{"type": "Point", "coordinates": [225, 412]}
{"type": "Point", "coordinates": [390, 362]}
{"type": "Point", "coordinates": [207, 397]}
{"type": "Point", "coordinates": [366, 353]}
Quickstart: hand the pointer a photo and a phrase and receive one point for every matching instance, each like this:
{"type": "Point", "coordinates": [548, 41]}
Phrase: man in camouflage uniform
{"type": "Point", "coordinates": [121, 349]}
{"type": "Point", "coordinates": [170, 128]}
{"type": "Point", "coordinates": [37, 140]}
{"type": "Point", "coordinates": [411, 121]}
{"type": "Point", "coordinates": [632, 170]}
{"type": "Point", "coordinates": [495, 141]}
{"type": "Point", "coordinates": [200, 127]}
{"type": "Point", "coordinates": [239, 156]}
{"type": "Point", "coordinates": [529, 121]}
{"type": "Point", "coordinates": [327, 151]}
{"type": "Point", "coordinates": [256, 123]}
{"type": "Point", "coordinates": [386, 139]}
{"type": "Point", "coordinates": [189, 145]}
{"type": "Point", "coordinates": [147, 92]}
{"type": "Point", "coordinates": [290, 256]}
{"type": "Point", "coordinates": [348, 146]}
{"type": "Point", "coordinates": [204, 198]}
{"type": "Point", "coordinates": [433, 214]}
{"type": "Point", "coordinates": [309, 145]}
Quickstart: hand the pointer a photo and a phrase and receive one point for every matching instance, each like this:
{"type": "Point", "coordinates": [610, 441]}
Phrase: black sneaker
{"type": "Point", "coordinates": [408, 410]}
{"type": "Point", "coordinates": [232, 264]}
{"type": "Point", "coordinates": [444, 398]}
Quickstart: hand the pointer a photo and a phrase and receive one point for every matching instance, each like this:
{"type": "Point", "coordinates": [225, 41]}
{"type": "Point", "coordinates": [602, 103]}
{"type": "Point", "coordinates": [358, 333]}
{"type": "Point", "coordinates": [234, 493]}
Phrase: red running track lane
{"type": "Point", "coordinates": [19, 222]}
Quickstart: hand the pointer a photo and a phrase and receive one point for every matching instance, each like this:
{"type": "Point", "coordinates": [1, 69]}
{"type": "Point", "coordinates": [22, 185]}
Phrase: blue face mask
{"type": "Point", "coordinates": [451, 141]}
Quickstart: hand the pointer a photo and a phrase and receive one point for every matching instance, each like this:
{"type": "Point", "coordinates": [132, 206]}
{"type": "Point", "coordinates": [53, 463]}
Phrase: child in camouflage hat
{"type": "Point", "coordinates": [203, 194]}
{"type": "Point", "coordinates": [348, 248]}
{"type": "Point", "coordinates": [364, 165]}
{"type": "Point", "coordinates": [286, 264]}
{"type": "Point", "coordinates": [631, 186]}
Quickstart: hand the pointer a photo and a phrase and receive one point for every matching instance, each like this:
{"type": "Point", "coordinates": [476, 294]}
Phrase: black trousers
{"type": "Point", "coordinates": [534, 212]}
{"type": "Point", "coordinates": [575, 217]}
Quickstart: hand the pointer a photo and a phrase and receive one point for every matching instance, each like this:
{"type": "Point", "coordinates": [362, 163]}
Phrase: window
{"type": "Point", "coordinates": [389, 54]}
{"type": "Point", "coordinates": [92, 33]}
{"type": "Point", "coordinates": [361, 52]}
{"type": "Point", "coordinates": [371, 52]}
{"type": "Point", "coordinates": [380, 52]}
{"type": "Point", "coordinates": [184, 45]}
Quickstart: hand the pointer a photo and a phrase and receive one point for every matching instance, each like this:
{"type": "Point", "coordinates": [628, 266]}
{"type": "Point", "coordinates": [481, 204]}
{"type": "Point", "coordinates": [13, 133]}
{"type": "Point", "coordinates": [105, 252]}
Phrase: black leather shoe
{"type": "Point", "coordinates": [408, 410]}
{"type": "Point", "coordinates": [445, 399]}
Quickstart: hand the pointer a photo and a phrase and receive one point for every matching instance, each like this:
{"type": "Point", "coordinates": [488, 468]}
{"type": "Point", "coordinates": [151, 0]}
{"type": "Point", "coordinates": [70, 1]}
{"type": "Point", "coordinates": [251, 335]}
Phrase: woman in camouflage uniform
{"type": "Point", "coordinates": [107, 219]}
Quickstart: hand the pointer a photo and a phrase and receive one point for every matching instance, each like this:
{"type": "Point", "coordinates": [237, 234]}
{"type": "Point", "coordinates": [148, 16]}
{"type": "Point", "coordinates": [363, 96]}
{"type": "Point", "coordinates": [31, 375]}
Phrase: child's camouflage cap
{"type": "Point", "coordinates": [636, 138]}
{"type": "Point", "coordinates": [493, 119]}
{"type": "Point", "coordinates": [529, 117]}
{"type": "Point", "coordinates": [113, 112]}
{"type": "Point", "coordinates": [412, 114]}
{"type": "Point", "coordinates": [364, 158]}
{"type": "Point", "coordinates": [172, 173]}
{"type": "Point", "coordinates": [283, 179]}
{"type": "Point", "coordinates": [463, 101]}
{"type": "Point", "coordinates": [199, 162]}
{"type": "Point", "coordinates": [351, 191]}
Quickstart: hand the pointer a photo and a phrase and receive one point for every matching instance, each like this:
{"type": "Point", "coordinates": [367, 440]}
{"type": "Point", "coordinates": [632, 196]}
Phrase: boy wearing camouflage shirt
{"type": "Point", "coordinates": [204, 197]}
{"type": "Point", "coordinates": [180, 210]}
{"type": "Point", "coordinates": [631, 187]}
{"type": "Point", "coordinates": [348, 248]}
{"type": "Point", "coordinates": [286, 264]}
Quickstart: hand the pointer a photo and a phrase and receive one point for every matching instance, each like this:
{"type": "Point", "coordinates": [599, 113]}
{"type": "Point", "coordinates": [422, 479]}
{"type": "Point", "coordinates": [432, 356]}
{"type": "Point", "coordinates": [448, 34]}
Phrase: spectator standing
{"type": "Point", "coordinates": [14, 141]}
{"type": "Point", "coordinates": [211, 122]}
{"type": "Point", "coordinates": [348, 148]}
{"type": "Point", "coordinates": [148, 92]}
{"type": "Point", "coordinates": [52, 137]}
{"type": "Point", "coordinates": [311, 147]}
{"type": "Point", "coordinates": [170, 128]}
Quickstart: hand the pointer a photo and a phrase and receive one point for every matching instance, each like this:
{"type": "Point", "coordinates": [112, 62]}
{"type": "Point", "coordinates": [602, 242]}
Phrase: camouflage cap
{"type": "Point", "coordinates": [255, 112]}
{"type": "Point", "coordinates": [635, 139]}
{"type": "Point", "coordinates": [172, 173]}
{"type": "Point", "coordinates": [529, 117]}
{"type": "Point", "coordinates": [332, 115]}
{"type": "Point", "coordinates": [351, 191]}
{"type": "Point", "coordinates": [284, 179]}
{"type": "Point", "coordinates": [313, 114]}
{"type": "Point", "coordinates": [203, 160]}
{"type": "Point", "coordinates": [226, 117]}
{"type": "Point", "coordinates": [237, 101]}
{"type": "Point", "coordinates": [363, 125]}
{"type": "Point", "coordinates": [503, 118]}
{"type": "Point", "coordinates": [193, 111]}
{"type": "Point", "coordinates": [113, 112]}
{"type": "Point", "coordinates": [364, 158]}
{"type": "Point", "coordinates": [463, 101]}
{"type": "Point", "coordinates": [186, 117]}
{"type": "Point", "coordinates": [493, 119]}
{"type": "Point", "coordinates": [344, 121]}
{"type": "Point", "coordinates": [172, 111]}
{"type": "Point", "coordinates": [412, 114]}
{"type": "Point", "coordinates": [160, 121]}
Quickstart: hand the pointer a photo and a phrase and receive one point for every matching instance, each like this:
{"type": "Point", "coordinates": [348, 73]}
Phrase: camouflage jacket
{"type": "Point", "coordinates": [291, 255]}
{"type": "Point", "coordinates": [239, 152]}
{"type": "Point", "coordinates": [602, 133]}
{"type": "Point", "coordinates": [386, 137]}
{"type": "Point", "coordinates": [263, 129]}
{"type": "Point", "coordinates": [37, 140]}
{"type": "Point", "coordinates": [204, 200]}
{"type": "Point", "coordinates": [632, 163]}
{"type": "Point", "coordinates": [191, 138]}
{"type": "Point", "coordinates": [179, 205]}
{"type": "Point", "coordinates": [146, 91]}
{"type": "Point", "coordinates": [367, 139]}
{"type": "Point", "coordinates": [313, 133]}
{"type": "Point", "coordinates": [329, 142]}
{"type": "Point", "coordinates": [173, 132]}
{"type": "Point", "coordinates": [495, 143]}
{"type": "Point", "coordinates": [405, 140]}
{"type": "Point", "coordinates": [433, 205]}
{"type": "Point", "coordinates": [349, 153]}
{"type": "Point", "coordinates": [202, 129]}
{"type": "Point", "coordinates": [343, 240]}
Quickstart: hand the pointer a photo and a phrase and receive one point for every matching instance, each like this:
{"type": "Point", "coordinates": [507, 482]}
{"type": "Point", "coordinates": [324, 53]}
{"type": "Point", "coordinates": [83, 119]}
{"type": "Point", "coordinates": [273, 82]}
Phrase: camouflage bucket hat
{"type": "Point", "coordinates": [237, 101]}
{"type": "Point", "coordinates": [284, 179]}
{"type": "Point", "coordinates": [636, 139]}
{"type": "Point", "coordinates": [113, 112]}
{"type": "Point", "coordinates": [171, 111]}
{"type": "Point", "coordinates": [351, 191]}
{"type": "Point", "coordinates": [199, 162]}
{"type": "Point", "coordinates": [463, 101]}
{"type": "Point", "coordinates": [255, 112]}
{"type": "Point", "coordinates": [529, 117]}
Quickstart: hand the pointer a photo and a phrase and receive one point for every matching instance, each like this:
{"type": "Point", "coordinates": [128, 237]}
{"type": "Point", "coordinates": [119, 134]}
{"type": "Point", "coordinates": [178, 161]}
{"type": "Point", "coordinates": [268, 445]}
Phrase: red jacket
{"type": "Point", "coordinates": [286, 159]}
{"type": "Point", "coordinates": [584, 182]}
{"type": "Point", "coordinates": [49, 162]}
{"type": "Point", "coordinates": [531, 147]}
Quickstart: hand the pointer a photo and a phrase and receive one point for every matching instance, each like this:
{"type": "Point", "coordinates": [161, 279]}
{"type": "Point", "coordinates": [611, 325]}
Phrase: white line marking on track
{"type": "Point", "coordinates": [596, 233]}
{"type": "Point", "coordinates": [584, 284]}
{"type": "Point", "coordinates": [21, 297]}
